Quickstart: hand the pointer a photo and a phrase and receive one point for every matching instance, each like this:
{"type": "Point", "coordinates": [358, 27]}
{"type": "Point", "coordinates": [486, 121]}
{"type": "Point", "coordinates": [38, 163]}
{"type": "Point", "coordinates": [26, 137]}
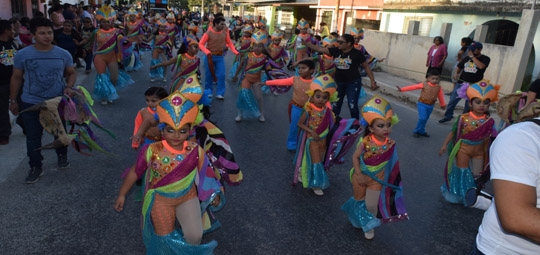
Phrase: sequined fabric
{"type": "Point", "coordinates": [359, 216]}
{"type": "Point", "coordinates": [247, 105]}
{"type": "Point", "coordinates": [104, 89]}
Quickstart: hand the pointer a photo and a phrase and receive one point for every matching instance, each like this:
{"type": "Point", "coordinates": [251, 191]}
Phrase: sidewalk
{"type": "Point", "coordinates": [388, 82]}
{"type": "Point", "coordinates": [14, 154]}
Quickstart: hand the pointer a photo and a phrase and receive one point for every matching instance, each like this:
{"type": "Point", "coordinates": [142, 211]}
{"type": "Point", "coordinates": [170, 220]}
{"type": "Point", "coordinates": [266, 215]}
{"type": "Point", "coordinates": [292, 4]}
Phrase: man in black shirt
{"type": "Point", "coordinates": [533, 93]}
{"type": "Point", "coordinates": [8, 47]}
{"type": "Point", "coordinates": [348, 61]}
{"type": "Point", "coordinates": [474, 65]}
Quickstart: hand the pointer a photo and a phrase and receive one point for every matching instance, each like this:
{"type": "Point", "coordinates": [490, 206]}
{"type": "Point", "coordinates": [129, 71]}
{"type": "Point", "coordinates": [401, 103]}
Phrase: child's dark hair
{"type": "Point", "coordinates": [433, 72]}
{"type": "Point", "coordinates": [39, 22]}
{"type": "Point", "coordinates": [308, 62]}
{"type": "Point", "coordinates": [318, 38]}
{"type": "Point", "coordinates": [159, 92]}
{"type": "Point", "coordinates": [466, 40]}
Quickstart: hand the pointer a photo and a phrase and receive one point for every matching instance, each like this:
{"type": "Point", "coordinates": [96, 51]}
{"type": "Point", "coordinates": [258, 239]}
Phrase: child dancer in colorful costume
{"type": "Point", "coordinates": [180, 184]}
{"type": "Point", "coordinates": [324, 62]}
{"type": "Point", "coordinates": [277, 59]}
{"type": "Point", "coordinates": [162, 46]}
{"type": "Point", "coordinates": [250, 106]}
{"type": "Point", "coordinates": [207, 135]}
{"type": "Point", "coordinates": [468, 147]}
{"type": "Point", "coordinates": [300, 85]}
{"type": "Point", "coordinates": [243, 46]}
{"type": "Point", "coordinates": [107, 54]}
{"type": "Point", "coordinates": [134, 32]}
{"type": "Point", "coordinates": [431, 90]}
{"type": "Point", "coordinates": [375, 177]}
{"type": "Point", "coordinates": [315, 123]}
{"type": "Point", "coordinates": [301, 51]}
{"type": "Point", "coordinates": [371, 60]}
{"type": "Point", "coordinates": [187, 62]}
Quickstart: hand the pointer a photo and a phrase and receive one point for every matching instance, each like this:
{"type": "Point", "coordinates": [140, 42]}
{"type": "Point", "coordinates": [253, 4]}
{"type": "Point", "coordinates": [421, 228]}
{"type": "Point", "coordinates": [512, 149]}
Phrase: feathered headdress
{"type": "Point", "coordinates": [106, 12]}
{"type": "Point", "coordinates": [178, 109]}
{"type": "Point", "coordinates": [170, 15]}
{"type": "Point", "coordinates": [324, 83]}
{"type": "Point", "coordinates": [481, 89]}
{"type": "Point", "coordinates": [329, 41]}
{"type": "Point", "coordinates": [378, 108]}
{"type": "Point", "coordinates": [303, 24]}
{"type": "Point", "coordinates": [277, 34]}
{"type": "Point", "coordinates": [259, 37]}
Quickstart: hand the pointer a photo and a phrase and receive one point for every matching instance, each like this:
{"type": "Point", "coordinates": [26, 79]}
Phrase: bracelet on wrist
{"type": "Point", "coordinates": [13, 100]}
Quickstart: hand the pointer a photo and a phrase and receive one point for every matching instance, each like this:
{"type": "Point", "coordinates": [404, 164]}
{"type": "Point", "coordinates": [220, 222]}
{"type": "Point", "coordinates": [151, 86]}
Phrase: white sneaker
{"type": "Point", "coordinates": [238, 117]}
{"type": "Point", "coordinates": [210, 96]}
{"type": "Point", "coordinates": [152, 80]}
{"type": "Point", "coordinates": [370, 234]}
{"type": "Point", "coordinates": [103, 102]}
{"type": "Point", "coordinates": [299, 178]}
{"type": "Point", "coordinates": [318, 192]}
{"type": "Point", "coordinates": [164, 80]}
{"type": "Point", "coordinates": [275, 93]}
{"type": "Point", "coordinates": [262, 119]}
{"type": "Point", "coordinates": [220, 97]}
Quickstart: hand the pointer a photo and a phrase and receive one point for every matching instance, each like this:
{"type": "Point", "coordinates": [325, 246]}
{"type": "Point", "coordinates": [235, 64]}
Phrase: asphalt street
{"type": "Point", "coordinates": [70, 211]}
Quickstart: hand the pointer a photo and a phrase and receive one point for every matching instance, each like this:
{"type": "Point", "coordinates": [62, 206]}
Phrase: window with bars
{"type": "Point", "coordinates": [17, 8]}
{"type": "Point", "coordinates": [425, 24]}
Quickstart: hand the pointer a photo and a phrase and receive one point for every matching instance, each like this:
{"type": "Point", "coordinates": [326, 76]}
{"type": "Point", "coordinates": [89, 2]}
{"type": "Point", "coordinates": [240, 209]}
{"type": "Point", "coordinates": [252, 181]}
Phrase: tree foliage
{"type": "Point", "coordinates": [180, 4]}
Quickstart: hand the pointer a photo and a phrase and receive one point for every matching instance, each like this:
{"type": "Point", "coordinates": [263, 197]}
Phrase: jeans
{"type": "Point", "coordinates": [5, 124]}
{"type": "Point", "coordinates": [292, 138]}
{"type": "Point", "coordinates": [424, 111]}
{"type": "Point", "coordinates": [350, 89]}
{"type": "Point", "coordinates": [34, 132]}
{"type": "Point", "coordinates": [219, 68]}
{"type": "Point", "coordinates": [454, 100]}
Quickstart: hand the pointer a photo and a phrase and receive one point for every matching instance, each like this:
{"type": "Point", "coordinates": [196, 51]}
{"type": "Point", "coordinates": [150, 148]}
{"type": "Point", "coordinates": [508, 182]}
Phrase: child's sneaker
{"type": "Point", "coordinates": [370, 234]}
{"type": "Point", "coordinates": [34, 174]}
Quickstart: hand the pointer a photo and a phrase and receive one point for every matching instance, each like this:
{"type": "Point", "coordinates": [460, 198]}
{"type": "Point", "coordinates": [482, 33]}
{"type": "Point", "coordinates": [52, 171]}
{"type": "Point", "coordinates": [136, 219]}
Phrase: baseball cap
{"type": "Point", "coordinates": [475, 45]}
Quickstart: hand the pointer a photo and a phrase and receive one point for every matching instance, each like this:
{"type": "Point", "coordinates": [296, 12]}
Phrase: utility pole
{"type": "Point", "coordinates": [336, 15]}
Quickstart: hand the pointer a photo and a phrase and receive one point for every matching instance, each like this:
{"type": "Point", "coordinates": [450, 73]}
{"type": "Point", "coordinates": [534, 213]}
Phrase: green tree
{"type": "Point", "coordinates": [179, 4]}
{"type": "Point", "coordinates": [193, 3]}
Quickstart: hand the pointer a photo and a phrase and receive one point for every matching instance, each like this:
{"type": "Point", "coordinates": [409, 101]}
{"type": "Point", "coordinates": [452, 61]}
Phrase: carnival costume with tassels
{"type": "Point", "coordinates": [173, 177]}
{"type": "Point", "coordinates": [186, 65]}
{"type": "Point", "coordinates": [309, 167]}
{"type": "Point", "coordinates": [243, 46]}
{"type": "Point", "coordinates": [371, 60]}
{"type": "Point", "coordinates": [246, 103]}
{"type": "Point", "coordinates": [471, 135]}
{"type": "Point", "coordinates": [379, 161]}
{"type": "Point", "coordinates": [107, 49]}
{"type": "Point", "coordinates": [277, 60]}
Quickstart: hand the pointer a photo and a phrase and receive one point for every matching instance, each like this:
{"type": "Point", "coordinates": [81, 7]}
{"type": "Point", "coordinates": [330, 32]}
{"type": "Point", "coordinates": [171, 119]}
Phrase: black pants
{"type": "Point", "coordinates": [5, 124]}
